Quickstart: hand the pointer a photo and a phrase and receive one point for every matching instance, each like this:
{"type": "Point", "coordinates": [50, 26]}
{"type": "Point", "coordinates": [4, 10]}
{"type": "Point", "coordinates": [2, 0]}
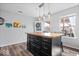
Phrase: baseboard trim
{"type": "Point", "coordinates": [74, 49]}
{"type": "Point", "coordinates": [12, 43]}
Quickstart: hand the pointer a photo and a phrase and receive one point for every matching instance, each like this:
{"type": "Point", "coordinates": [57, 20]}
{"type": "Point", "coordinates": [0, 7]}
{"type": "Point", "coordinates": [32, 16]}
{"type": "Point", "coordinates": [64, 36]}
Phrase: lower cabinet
{"type": "Point", "coordinates": [35, 51]}
{"type": "Point", "coordinates": [39, 46]}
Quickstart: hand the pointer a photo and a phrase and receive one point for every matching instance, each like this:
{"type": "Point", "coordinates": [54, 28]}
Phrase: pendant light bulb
{"type": "Point", "coordinates": [44, 17]}
{"type": "Point", "coordinates": [39, 18]}
{"type": "Point", "coordinates": [49, 15]}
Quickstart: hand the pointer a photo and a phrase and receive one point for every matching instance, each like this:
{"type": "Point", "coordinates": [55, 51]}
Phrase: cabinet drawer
{"type": "Point", "coordinates": [46, 44]}
{"type": "Point", "coordinates": [35, 45]}
{"type": "Point", "coordinates": [35, 40]}
{"type": "Point", "coordinates": [47, 40]}
{"type": "Point", "coordinates": [46, 50]}
{"type": "Point", "coordinates": [43, 53]}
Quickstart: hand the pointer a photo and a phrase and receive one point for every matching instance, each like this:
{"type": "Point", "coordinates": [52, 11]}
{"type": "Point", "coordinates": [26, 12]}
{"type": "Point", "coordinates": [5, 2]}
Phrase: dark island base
{"type": "Point", "coordinates": [44, 46]}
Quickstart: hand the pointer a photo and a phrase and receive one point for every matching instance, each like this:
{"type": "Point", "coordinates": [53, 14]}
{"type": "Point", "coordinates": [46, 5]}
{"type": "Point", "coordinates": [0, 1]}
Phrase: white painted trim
{"type": "Point", "coordinates": [12, 43]}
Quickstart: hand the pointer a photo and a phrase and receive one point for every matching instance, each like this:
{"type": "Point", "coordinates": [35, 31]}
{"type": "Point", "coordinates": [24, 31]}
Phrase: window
{"type": "Point", "coordinates": [67, 25]}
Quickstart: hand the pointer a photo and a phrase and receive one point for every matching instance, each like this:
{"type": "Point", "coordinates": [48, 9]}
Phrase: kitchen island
{"type": "Point", "coordinates": [44, 44]}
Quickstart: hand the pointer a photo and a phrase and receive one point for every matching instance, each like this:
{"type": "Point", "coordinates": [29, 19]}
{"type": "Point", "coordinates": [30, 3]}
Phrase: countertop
{"type": "Point", "coordinates": [49, 35]}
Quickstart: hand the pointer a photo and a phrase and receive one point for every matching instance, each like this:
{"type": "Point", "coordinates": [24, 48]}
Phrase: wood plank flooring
{"type": "Point", "coordinates": [15, 50]}
{"type": "Point", "coordinates": [21, 50]}
{"type": "Point", "coordinates": [70, 52]}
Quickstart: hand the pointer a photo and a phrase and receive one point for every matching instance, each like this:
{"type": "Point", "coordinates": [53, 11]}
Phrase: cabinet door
{"type": "Point", "coordinates": [46, 46]}
{"type": "Point", "coordinates": [35, 49]}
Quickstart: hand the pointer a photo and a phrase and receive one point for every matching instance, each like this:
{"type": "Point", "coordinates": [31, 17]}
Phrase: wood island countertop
{"type": "Point", "coordinates": [48, 35]}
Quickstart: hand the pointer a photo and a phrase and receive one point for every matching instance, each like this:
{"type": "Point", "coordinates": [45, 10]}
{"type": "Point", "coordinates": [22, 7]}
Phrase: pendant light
{"type": "Point", "coordinates": [40, 8]}
{"type": "Point", "coordinates": [40, 18]}
{"type": "Point", "coordinates": [49, 13]}
{"type": "Point", "coordinates": [49, 17]}
{"type": "Point", "coordinates": [44, 17]}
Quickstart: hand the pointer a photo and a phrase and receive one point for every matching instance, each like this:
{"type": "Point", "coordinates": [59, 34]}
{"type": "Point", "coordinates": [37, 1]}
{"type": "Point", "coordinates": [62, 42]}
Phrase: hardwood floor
{"type": "Point", "coordinates": [15, 50]}
{"type": "Point", "coordinates": [20, 50]}
{"type": "Point", "coordinates": [70, 52]}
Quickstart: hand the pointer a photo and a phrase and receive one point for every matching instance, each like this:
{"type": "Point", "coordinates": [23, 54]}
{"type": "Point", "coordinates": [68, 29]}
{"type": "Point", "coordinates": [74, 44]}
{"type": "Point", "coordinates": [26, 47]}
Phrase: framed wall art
{"type": "Point", "coordinates": [37, 26]}
{"type": "Point", "coordinates": [17, 24]}
{"type": "Point", "coordinates": [8, 25]}
{"type": "Point", "coordinates": [1, 21]}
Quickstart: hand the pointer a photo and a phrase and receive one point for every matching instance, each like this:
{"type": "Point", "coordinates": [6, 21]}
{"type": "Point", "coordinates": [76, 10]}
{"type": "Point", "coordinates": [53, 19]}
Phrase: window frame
{"type": "Point", "coordinates": [70, 15]}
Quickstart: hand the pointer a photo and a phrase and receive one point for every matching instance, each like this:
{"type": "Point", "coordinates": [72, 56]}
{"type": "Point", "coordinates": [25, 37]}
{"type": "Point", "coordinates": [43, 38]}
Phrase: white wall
{"type": "Point", "coordinates": [57, 16]}
{"type": "Point", "coordinates": [10, 36]}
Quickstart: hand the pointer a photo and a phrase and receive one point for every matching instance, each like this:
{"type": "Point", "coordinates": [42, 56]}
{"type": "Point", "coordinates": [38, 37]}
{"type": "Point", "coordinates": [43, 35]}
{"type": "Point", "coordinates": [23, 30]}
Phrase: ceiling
{"type": "Point", "coordinates": [32, 9]}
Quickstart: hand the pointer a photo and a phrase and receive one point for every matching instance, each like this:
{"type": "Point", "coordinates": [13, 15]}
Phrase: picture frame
{"type": "Point", "coordinates": [1, 21]}
{"type": "Point", "coordinates": [37, 26]}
